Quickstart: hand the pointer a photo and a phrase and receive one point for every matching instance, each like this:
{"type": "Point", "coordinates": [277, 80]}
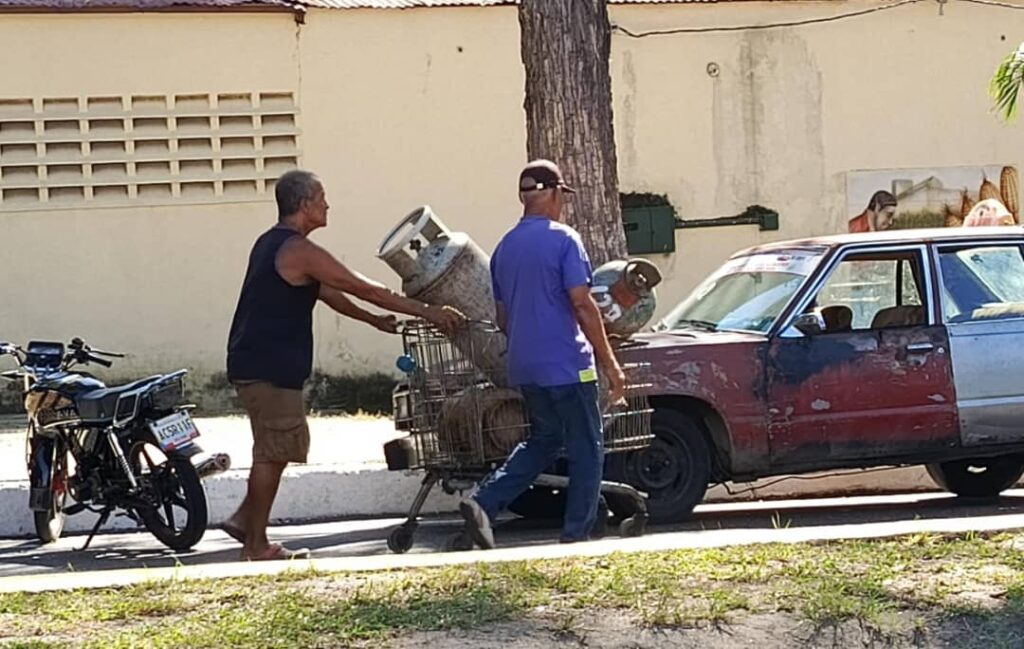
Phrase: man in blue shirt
{"type": "Point", "coordinates": [541, 276]}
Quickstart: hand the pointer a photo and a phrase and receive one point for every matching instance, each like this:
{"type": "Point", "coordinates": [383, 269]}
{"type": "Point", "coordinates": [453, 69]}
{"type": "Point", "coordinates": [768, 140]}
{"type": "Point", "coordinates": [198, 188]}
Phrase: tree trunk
{"type": "Point", "coordinates": [565, 49]}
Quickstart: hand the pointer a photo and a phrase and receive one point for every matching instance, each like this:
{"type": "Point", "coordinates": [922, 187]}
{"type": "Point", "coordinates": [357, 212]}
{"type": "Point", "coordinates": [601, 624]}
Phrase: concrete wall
{"type": "Point", "coordinates": [402, 108]}
{"type": "Point", "coordinates": [157, 282]}
{"type": "Point", "coordinates": [409, 108]}
{"type": "Point", "coordinates": [792, 110]}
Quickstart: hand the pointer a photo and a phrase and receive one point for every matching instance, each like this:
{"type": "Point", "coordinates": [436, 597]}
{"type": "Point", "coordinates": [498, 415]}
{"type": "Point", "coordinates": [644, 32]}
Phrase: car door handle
{"type": "Point", "coordinates": [920, 348]}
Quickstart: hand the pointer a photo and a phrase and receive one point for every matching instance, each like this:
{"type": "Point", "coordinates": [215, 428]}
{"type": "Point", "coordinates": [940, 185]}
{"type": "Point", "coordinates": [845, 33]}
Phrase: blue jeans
{"type": "Point", "coordinates": [564, 416]}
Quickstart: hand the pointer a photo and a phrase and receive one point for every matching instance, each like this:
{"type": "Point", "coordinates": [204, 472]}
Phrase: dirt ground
{"type": "Point", "coordinates": [614, 630]}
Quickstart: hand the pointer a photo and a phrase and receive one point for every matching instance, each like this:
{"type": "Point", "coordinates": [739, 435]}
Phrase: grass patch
{"type": "Point", "coordinates": [905, 585]}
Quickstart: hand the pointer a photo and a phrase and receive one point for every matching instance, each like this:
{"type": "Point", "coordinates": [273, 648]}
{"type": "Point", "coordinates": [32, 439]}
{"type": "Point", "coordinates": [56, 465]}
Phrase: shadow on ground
{"type": "Point", "coordinates": [366, 538]}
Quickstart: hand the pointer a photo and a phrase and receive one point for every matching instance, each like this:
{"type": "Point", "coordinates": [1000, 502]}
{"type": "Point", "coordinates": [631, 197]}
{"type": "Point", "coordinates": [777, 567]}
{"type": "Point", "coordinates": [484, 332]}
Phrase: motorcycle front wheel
{"type": "Point", "coordinates": [49, 523]}
{"type": "Point", "coordinates": [176, 511]}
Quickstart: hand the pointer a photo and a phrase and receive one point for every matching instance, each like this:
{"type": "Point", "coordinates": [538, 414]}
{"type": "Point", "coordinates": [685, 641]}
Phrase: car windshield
{"type": "Point", "coordinates": [747, 293]}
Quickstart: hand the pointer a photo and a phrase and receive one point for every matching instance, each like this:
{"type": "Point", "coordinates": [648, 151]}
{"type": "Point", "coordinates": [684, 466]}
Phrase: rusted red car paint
{"type": "Point", "coordinates": [827, 408]}
{"type": "Point", "coordinates": [828, 420]}
{"type": "Point", "coordinates": [726, 372]}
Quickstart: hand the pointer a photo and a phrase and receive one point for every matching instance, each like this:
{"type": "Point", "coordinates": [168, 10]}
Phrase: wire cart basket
{"type": "Point", "coordinates": [462, 423]}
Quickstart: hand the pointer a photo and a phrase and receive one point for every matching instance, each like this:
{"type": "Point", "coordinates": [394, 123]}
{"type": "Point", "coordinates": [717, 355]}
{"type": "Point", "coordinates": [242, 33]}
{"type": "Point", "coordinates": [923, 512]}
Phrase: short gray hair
{"type": "Point", "coordinates": [291, 189]}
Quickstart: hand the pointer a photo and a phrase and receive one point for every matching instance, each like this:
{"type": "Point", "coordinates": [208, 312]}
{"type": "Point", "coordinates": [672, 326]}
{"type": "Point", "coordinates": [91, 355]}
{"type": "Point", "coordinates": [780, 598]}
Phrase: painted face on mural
{"type": "Point", "coordinates": [882, 219]}
{"type": "Point", "coordinates": [988, 212]}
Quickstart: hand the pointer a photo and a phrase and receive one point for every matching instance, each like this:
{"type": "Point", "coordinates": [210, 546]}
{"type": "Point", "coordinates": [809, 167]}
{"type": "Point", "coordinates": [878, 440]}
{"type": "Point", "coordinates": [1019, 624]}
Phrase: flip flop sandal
{"type": "Point", "coordinates": [277, 552]}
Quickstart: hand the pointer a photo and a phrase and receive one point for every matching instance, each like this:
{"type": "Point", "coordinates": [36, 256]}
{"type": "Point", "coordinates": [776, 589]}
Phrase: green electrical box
{"type": "Point", "coordinates": [650, 230]}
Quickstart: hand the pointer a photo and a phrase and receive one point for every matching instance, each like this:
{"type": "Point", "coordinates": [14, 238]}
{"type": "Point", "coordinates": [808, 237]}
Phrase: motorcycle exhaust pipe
{"type": "Point", "coordinates": [216, 463]}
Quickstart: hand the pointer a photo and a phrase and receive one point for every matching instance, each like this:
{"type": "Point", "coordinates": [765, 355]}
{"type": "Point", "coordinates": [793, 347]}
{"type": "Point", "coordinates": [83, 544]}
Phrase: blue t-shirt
{"type": "Point", "coordinates": [533, 268]}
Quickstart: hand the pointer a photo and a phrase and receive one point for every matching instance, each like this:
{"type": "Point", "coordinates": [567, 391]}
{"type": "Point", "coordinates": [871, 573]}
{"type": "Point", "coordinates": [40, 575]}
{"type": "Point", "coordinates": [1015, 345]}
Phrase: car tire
{"type": "Point", "coordinates": [978, 478]}
{"type": "Point", "coordinates": [673, 471]}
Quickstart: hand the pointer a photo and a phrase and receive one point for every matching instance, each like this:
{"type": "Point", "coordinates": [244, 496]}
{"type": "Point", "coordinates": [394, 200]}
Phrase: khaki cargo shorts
{"type": "Point", "coordinates": [278, 419]}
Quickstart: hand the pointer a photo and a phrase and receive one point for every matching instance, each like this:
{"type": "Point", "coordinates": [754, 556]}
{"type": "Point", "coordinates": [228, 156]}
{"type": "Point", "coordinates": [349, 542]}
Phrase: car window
{"type": "Point", "coordinates": [982, 283]}
{"type": "Point", "coordinates": [872, 291]}
{"type": "Point", "coordinates": [910, 291]}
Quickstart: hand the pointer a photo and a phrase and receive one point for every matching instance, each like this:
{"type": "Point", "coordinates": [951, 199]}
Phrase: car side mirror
{"type": "Point", "coordinates": [810, 324]}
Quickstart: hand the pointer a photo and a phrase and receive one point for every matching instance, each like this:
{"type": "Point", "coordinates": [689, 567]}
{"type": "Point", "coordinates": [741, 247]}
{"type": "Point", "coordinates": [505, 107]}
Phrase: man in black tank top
{"type": "Point", "coordinates": [270, 347]}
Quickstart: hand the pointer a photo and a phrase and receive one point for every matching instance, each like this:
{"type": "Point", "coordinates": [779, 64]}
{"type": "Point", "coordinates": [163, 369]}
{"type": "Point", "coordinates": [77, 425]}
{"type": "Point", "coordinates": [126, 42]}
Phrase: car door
{"type": "Point", "coordinates": [983, 307]}
{"type": "Point", "coordinates": [874, 380]}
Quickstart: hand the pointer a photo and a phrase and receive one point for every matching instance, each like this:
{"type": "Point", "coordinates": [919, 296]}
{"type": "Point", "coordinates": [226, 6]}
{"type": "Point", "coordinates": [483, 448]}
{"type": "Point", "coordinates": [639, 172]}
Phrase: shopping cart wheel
{"type": "Point", "coordinates": [621, 506]}
{"type": "Point", "coordinates": [400, 539]}
{"type": "Point", "coordinates": [459, 542]}
{"type": "Point", "coordinates": [633, 526]}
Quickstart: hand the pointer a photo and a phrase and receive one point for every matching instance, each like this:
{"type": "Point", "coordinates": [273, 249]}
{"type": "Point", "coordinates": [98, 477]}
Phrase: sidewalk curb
{"type": "Point", "coordinates": [652, 543]}
{"type": "Point", "coordinates": [306, 494]}
{"type": "Point", "coordinates": [317, 493]}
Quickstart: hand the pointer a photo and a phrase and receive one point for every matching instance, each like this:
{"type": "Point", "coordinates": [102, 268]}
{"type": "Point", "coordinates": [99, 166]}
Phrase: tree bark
{"type": "Point", "coordinates": [565, 50]}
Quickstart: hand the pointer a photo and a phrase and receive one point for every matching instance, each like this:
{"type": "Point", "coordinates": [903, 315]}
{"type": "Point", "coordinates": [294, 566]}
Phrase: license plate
{"type": "Point", "coordinates": [174, 431]}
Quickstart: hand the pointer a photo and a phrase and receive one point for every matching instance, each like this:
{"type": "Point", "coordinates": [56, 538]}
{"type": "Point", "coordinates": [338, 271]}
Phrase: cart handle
{"type": "Point", "coordinates": [486, 325]}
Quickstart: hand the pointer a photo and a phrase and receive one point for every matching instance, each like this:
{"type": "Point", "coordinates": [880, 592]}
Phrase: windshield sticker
{"type": "Point", "coordinates": [795, 264]}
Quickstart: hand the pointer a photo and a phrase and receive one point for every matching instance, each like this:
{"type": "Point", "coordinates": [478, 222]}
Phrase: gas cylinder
{"type": "Point", "coordinates": [624, 292]}
{"type": "Point", "coordinates": [441, 267]}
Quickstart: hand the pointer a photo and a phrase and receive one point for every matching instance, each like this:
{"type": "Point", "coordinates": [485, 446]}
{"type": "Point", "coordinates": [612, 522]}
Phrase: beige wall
{"type": "Point", "coordinates": [402, 108]}
{"type": "Point", "coordinates": [402, 118]}
{"type": "Point", "coordinates": [157, 282]}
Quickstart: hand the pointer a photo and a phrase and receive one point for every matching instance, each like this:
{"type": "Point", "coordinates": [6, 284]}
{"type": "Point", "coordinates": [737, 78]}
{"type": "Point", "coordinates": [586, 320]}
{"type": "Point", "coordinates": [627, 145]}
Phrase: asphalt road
{"type": "Point", "coordinates": [712, 525]}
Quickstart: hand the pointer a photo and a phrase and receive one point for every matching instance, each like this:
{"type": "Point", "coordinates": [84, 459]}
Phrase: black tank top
{"type": "Point", "coordinates": [272, 332]}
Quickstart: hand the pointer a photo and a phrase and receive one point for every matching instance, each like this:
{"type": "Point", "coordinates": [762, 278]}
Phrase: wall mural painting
{"type": "Point", "coordinates": [929, 198]}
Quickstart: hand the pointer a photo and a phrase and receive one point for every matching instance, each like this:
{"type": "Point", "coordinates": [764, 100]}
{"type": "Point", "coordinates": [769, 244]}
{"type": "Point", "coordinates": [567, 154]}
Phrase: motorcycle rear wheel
{"type": "Point", "coordinates": [172, 483]}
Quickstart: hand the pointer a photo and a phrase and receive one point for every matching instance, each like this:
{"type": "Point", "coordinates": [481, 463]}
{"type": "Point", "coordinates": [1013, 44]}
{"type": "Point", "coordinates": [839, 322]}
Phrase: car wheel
{"type": "Point", "coordinates": [673, 471]}
{"type": "Point", "coordinates": [978, 478]}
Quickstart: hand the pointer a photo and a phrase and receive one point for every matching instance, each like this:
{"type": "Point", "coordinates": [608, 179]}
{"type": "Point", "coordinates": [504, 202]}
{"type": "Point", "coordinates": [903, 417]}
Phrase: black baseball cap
{"type": "Point", "coordinates": [542, 174]}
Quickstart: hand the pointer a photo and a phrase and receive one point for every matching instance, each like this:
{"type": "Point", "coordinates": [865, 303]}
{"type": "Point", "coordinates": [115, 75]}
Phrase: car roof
{"type": "Point", "coordinates": [823, 243]}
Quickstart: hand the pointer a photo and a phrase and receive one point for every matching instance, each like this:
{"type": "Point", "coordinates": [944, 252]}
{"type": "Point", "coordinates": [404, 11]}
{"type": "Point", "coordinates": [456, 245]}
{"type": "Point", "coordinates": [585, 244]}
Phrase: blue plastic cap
{"type": "Point", "coordinates": [406, 363]}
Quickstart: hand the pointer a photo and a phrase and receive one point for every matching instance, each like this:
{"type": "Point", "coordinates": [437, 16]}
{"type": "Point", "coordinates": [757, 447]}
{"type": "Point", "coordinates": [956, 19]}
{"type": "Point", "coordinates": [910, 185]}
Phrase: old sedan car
{"type": "Point", "coordinates": [896, 348]}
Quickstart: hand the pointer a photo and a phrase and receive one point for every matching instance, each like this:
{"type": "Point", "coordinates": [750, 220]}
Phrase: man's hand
{"type": "Point", "coordinates": [616, 385]}
{"type": "Point", "coordinates": [386, 323]}
{"type": "Point", "coordinates": [447, 319]}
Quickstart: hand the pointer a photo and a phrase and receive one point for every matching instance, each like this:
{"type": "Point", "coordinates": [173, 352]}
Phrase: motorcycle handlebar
{"type": "Point", "coordinates": [79, 346]}
{"type": "Point", "coordinates": [98, 360]}
{"type": "Point", "coordinates": [80, 352]}
{"type": "Point", "coordinates": [101, 352]}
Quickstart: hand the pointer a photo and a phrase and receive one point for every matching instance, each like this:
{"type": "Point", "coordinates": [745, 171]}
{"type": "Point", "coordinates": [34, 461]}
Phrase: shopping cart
{"type": "Point", "coordinates": [462, 424]}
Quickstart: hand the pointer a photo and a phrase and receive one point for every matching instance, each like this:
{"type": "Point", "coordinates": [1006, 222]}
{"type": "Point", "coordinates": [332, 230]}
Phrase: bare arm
{"type": "Point", "coordinates": [303, 260]}
{"type": "Point", "coordinates": [318, 264]}
{"type": "Point", "coordinates": [589, 318]}
{"type": "Point", "coordinates": [346, 307]}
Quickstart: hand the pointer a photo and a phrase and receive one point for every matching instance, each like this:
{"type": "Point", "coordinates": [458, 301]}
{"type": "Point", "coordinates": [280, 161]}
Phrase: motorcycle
{"type": "Point", "coordinates": [127, 449]}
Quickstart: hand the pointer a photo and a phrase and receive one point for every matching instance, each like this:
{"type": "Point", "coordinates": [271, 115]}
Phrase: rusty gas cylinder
{"type": "Point", "coordinates": [441, 267]}
{"type": "Point", "coordinates": [624, 292]}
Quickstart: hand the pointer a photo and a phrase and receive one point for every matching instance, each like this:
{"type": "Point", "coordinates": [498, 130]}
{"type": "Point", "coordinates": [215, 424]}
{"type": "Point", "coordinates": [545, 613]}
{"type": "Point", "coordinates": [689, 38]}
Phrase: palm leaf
{"type": "Point", "coordinates": [1005, 85]}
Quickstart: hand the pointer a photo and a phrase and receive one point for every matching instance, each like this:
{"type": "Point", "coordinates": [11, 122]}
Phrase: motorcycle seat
{"type": "Point", "coordinates": [99, 405]}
